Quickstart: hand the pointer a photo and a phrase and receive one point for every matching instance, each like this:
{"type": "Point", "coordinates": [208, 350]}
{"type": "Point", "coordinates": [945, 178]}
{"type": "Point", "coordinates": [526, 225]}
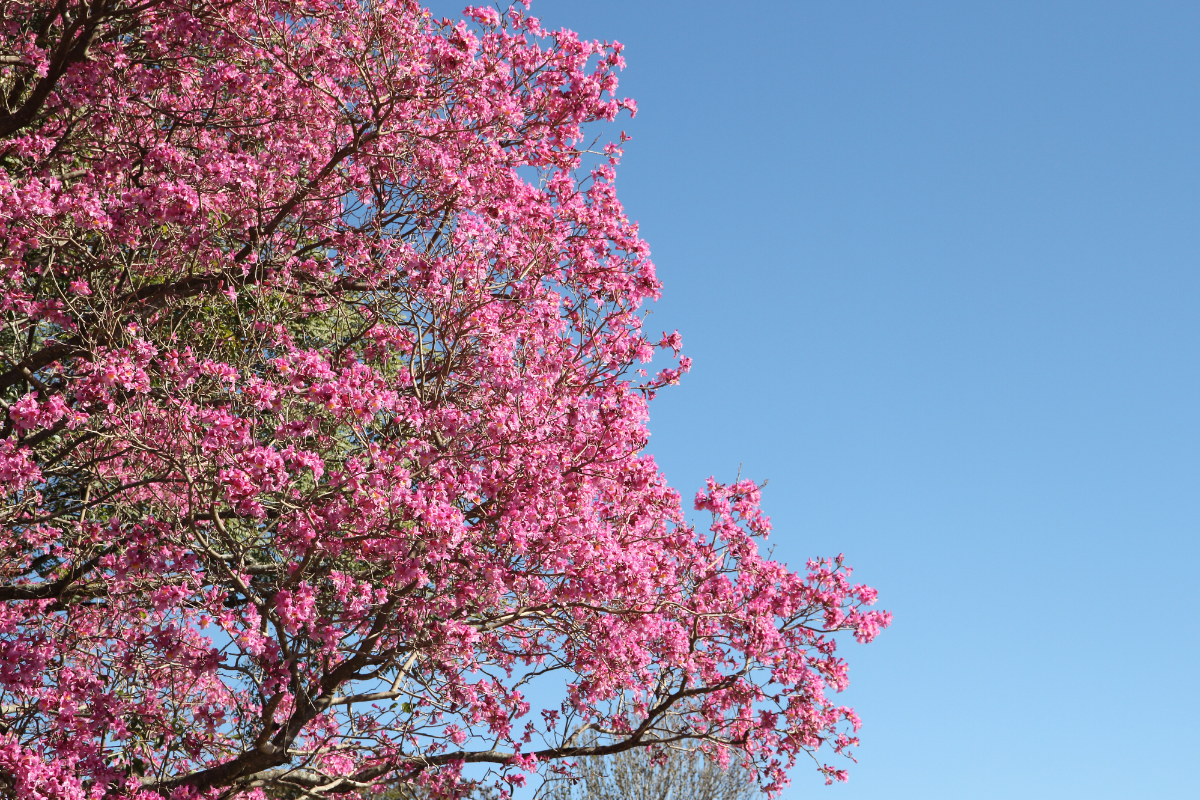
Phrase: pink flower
{"type": "Point", "coordinates": [339, 432]}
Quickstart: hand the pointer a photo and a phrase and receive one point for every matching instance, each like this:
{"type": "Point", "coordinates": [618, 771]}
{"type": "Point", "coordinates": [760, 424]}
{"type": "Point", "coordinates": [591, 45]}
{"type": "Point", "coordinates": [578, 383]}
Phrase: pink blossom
{"type": "Point", "coordinates": [324, 426]}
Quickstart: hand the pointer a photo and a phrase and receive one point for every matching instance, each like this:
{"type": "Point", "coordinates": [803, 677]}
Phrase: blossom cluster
{"type": "Point", "coordinates": [324, 421]}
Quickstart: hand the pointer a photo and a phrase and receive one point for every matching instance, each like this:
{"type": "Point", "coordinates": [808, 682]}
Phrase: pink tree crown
{"type": "Point", "coordinates": [324, 421]}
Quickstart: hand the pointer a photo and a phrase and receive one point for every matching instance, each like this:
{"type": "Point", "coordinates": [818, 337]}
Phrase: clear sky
{"type": "Point", "coordinates": [937, 266]}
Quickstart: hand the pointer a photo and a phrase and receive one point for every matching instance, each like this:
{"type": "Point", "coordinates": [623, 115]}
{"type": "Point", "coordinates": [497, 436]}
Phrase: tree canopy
{"type": "Point", "coordinates": [325, 397]}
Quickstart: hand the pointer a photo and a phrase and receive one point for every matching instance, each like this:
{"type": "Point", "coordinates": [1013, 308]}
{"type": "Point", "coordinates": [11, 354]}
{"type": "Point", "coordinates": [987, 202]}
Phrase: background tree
{"type": "Point", "coordinates": [324, 420]}
{"type": "Point", "coordinates": [642, 774]}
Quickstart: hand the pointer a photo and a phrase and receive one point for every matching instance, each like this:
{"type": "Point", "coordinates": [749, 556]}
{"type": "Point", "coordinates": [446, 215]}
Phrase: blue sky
{"type": "Point", "coordinates": [936, 264]}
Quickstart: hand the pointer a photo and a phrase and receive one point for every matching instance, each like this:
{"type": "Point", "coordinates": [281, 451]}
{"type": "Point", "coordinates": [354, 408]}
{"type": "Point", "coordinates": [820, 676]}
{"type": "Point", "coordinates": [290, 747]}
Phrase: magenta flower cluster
{"type": "Point", "coordinates": [324, 421]}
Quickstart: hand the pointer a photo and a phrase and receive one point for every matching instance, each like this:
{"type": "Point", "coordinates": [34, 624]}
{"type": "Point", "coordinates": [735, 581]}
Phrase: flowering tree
{"type": "Point", "coordinates": [323, 426]}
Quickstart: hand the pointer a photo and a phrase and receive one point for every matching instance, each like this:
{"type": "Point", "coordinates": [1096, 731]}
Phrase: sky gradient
{"type": "Point", "coordinates": [936, 264]}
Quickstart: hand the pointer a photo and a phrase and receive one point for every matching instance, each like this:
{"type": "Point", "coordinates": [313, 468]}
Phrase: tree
{"type": "Point", "coordinates": [324, 421]}
{"type": "Point", "coordinates": [641, 774]}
